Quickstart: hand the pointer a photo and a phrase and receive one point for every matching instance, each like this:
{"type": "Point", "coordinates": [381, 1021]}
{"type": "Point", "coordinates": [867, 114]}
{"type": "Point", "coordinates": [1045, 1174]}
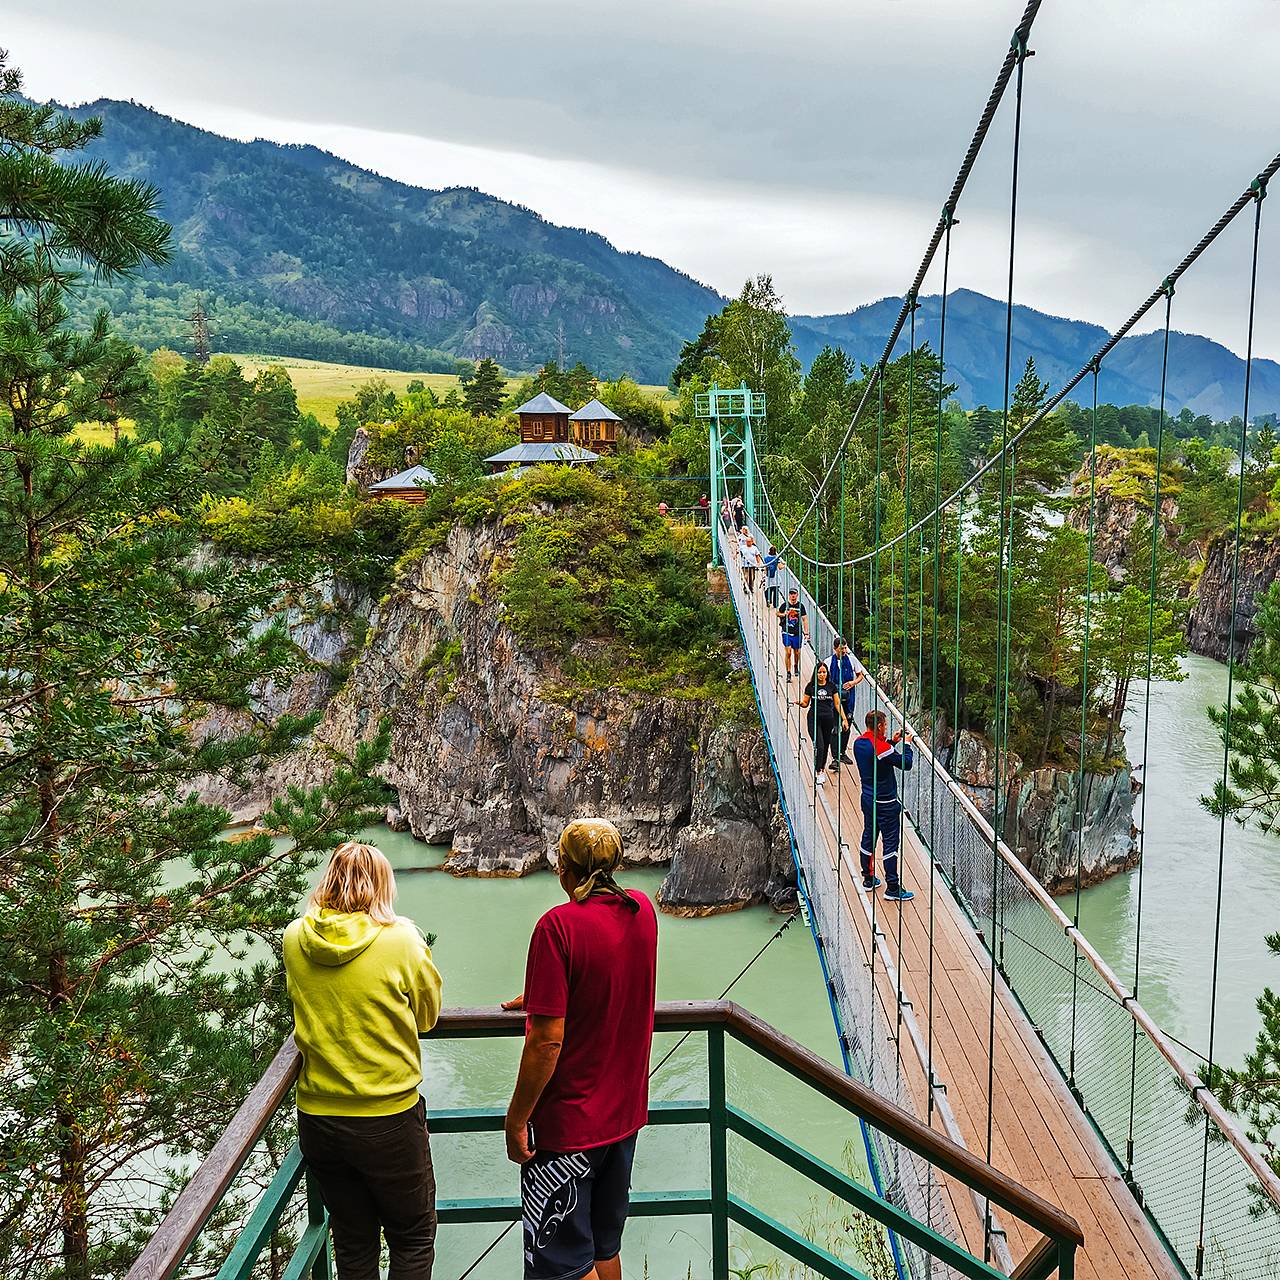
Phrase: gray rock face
{"type": "Point", "coordinates": [359, 470]}
{"type": "Point", "coordinates": [493, 750]}
{"type": "Point", "coordinates": [1040, 814]}
{"type": "Point", "coordinates": [1115, 518]}
{"type": "Point", "coordinates": [735, 850]}
{"type": "Point", "coordinates": [1209, 626]}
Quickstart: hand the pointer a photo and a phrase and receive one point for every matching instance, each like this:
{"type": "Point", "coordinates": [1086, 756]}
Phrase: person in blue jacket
{"type": "Point", "coordinates": [846, 675]}
{"type": "Point", "coordinates": [877, 758]}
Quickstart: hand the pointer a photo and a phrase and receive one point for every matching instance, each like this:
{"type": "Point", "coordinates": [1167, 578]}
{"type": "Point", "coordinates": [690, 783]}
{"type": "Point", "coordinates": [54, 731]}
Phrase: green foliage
{"type": "Point", "coordinates": [1252, 794]}
{"type": "Point", "coordinates": [592, 560]}
{"type": "Point", "coordinates": [141, 993]}
{"type": "Point", "coordinates": [450, 441]}
{"type": "Point", "coordinates": [485, 390]}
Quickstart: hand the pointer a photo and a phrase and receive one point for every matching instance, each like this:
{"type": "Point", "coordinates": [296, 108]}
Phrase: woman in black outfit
{"type": "Point", "coordinates": [823, 701]}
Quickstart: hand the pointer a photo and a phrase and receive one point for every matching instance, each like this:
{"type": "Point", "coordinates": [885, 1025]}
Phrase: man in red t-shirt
{"type": "Point", "coordinates": [582, 1093]}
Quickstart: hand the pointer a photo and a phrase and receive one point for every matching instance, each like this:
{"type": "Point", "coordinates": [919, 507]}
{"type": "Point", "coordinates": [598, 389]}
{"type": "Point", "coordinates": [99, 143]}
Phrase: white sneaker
{"type": "Point", "coordinates": [821, 779]}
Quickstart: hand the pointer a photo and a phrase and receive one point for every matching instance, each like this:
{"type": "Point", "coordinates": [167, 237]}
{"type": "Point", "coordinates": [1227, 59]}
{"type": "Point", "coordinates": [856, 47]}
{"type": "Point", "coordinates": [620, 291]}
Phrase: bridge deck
{"type": "Point", "coordinates": [1040, 1136]}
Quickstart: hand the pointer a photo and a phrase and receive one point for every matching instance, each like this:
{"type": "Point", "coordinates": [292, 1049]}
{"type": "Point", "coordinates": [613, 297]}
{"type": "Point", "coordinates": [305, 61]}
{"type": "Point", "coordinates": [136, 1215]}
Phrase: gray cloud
{"type": "Point", "coordinates": [1143, 117]}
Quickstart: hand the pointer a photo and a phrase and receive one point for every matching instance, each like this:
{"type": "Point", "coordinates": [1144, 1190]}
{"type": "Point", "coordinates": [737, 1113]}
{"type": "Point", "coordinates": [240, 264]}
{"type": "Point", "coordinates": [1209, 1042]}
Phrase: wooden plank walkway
{"type": "Point", "coordinates": [1039, 1135]}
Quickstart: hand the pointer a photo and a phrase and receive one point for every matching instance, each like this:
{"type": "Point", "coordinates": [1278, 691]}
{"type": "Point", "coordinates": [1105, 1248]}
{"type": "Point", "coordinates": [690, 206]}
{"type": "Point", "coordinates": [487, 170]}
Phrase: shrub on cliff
{"type": "Point", "coordinates": [593, 560]}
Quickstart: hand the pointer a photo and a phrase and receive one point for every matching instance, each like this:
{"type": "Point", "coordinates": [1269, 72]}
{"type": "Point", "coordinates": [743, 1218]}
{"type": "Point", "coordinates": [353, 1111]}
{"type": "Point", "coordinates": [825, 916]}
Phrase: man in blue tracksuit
{"type": "Point", "coordinates": [877, 758]}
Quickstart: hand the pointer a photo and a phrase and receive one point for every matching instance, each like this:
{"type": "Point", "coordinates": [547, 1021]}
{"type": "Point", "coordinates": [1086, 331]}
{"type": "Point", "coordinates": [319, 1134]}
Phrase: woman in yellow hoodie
{"type": "Point", "coordinates": [363, 989]}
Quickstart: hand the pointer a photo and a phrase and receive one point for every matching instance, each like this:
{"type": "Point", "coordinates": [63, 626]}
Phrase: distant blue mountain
{"type": "Point", "coordinates": [1204, 376]}
{"type": "Point", "coordinates": [299, 252]}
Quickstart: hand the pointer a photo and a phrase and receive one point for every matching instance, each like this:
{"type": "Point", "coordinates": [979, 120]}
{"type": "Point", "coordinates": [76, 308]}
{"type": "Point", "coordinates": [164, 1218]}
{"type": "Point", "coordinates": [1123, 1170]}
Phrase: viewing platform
{"type": "Point", "coordinates": [291, 1206]}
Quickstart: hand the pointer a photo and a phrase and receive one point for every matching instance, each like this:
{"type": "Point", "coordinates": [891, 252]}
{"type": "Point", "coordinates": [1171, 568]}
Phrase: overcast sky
{"type": "Point", "coordinates": [814, 139]}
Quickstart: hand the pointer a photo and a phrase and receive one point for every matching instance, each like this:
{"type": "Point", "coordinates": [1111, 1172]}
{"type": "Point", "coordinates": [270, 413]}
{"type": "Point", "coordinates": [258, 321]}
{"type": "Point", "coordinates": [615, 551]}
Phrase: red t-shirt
{"type": "Point", "coordinates": [594, 964]}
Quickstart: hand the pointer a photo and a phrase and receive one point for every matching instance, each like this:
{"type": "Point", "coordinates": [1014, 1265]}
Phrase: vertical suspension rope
{"type": "Point", "coordinates": [1081, 804]}
{"type": "Point", "coordinates": [906, 642]}
{"type": "Point", "coordinates": [933, 704]}
{"type": "Point", "coordinates": [1260, 191]}
{"type": "Point", "coordinates": [1146, 732]}
{"type": "Point", "coordinates": [874, 611]}
{"type": "Point", "coordinates": [955, 708]}
{"type": "Point", "coordinates": [1002, 656]}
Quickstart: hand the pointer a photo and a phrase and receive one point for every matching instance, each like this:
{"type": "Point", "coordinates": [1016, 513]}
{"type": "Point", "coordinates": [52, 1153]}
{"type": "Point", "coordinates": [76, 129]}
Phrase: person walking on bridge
{"type": "Point", "coordinates": [825, 713]}
{"type": "Point", "coordinates": [582, 1093]}
{"type": "Point", "coordinates": [847, 674]}
{"type": "Point", "coordinates": [364, 988]}
{"type": "Point", "coordinates": [772, 562]}
{"type": "Point", "coordinates": [795, 629]}
{"type": "Point", "coordinates": [877, 758]}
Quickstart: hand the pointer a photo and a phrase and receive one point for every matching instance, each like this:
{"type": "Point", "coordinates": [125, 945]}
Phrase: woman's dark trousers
{"type": "Point", "coordinates": [375, 1177]}
{"type": "Point", "coordinates": [823, 734]}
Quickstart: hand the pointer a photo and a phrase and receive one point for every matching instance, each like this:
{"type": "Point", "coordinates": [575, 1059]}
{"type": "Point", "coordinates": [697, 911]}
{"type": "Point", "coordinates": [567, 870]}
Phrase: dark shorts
{"type": "Point", "coordinates": [575, 1206]}
{"type": "Point", "coordinates": [791, 642]}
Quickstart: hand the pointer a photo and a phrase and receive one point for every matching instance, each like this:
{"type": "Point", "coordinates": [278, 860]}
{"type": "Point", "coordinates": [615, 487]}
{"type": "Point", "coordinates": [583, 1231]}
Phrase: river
{"type": "Point", "coordinates": [1178, 879]}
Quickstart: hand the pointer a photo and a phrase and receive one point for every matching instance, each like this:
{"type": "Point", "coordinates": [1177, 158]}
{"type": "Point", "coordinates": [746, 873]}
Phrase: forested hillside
{"type": "Point", "coordinates": [301, 253]}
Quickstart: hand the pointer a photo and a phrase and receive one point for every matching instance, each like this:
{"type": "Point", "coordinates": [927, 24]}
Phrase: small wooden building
{"type": "Point", "coordinates": [595, 426]}
{"type": "Point", "coordinates": [544, 420]}
{"type": "Point", "coordinates": [405, 486]}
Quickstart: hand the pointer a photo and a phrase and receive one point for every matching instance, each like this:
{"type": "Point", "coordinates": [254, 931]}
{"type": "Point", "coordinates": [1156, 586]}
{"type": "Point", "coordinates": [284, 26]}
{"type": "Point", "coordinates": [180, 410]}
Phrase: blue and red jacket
{"type": "Point", "coordinates": [876, 760]}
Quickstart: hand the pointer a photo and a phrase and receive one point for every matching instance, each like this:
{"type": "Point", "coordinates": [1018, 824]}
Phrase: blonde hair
{"type": "Point", "coordinates": [358, 878]}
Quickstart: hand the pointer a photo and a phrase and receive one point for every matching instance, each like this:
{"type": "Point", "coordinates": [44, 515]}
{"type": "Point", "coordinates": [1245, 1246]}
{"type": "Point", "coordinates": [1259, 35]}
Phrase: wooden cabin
{"type": "Point", "coordinates": [544, 420]}
{"type": "Point", "coordinates": [405, 486]}
{"type": "Point", "coordinates": [595, 426]}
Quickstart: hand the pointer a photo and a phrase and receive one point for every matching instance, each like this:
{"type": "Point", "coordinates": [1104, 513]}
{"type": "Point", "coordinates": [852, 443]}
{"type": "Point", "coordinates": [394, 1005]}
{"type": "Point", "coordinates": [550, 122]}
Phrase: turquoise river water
{"type": "Point", "coordinates": [483, 928]}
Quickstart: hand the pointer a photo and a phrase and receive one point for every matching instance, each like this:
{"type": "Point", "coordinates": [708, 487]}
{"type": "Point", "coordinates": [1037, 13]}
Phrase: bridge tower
{"type": "Point", "coordinates": [730, 413]}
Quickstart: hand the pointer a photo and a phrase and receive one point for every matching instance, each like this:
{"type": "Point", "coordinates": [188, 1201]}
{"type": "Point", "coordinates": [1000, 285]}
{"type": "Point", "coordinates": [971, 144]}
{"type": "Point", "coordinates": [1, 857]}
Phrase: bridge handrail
{"type": "Point", "coordinates": [195, 1205]}
{"type": "Point", "coordinates": [1201, 1094]}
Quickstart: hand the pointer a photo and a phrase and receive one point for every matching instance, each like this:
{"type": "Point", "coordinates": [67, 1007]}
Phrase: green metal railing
{"type": "Point", "coordinates": [721, 1021]}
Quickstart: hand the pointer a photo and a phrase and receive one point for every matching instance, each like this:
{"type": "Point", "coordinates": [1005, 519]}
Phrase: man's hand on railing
{"type": "Point", "coordinates": [516, 1003]}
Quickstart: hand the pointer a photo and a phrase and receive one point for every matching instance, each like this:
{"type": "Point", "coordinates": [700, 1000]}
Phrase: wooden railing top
{"type": "Point", "coordinates": [164, 1253]}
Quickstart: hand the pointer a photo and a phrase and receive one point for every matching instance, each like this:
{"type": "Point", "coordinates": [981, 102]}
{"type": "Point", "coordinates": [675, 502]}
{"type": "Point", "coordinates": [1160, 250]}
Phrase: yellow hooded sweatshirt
{"type": "Point", "coordinates": [361, 993]}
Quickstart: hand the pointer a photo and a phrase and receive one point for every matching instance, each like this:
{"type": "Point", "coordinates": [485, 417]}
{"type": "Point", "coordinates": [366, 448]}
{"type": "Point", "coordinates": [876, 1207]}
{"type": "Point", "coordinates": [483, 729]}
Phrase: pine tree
{"type": "Point", "coordinates": [141, 990]}
{"type": "Point", "coordinates": [1252, 794]}
{"type": "Point", "coordinates": [486, 390]}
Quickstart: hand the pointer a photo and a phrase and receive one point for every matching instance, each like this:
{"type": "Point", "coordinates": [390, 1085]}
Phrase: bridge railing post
{"type": "Point", "coordinates": [719, 1136]}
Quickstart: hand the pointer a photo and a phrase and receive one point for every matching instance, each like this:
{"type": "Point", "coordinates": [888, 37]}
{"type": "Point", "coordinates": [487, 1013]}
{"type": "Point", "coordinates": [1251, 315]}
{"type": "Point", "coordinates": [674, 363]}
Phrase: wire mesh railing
{"type": "Point", "coordinates": [866, 1023]}
{"type": "Point", "coordinates": [1139, 1091]}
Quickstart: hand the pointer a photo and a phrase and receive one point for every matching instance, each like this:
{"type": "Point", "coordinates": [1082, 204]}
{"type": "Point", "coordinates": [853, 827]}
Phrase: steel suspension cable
{"type": "Point", "coordinates": [1259, 195]}
{"type": "Point", "coordinates": [1238, 205]}
{"type": "Point", "coordinates": [1146, 731]}
{"type": "Point", "coordinates": [1001, 743]}
{"type": "Point", "coordinates": [933, 710]}
{"type": "Point", "coordinates": [1012, 61]}
{"type": "Point", "coordinates": [1081, 802]}
{"type": "Point", "coordinates": [906, 635]}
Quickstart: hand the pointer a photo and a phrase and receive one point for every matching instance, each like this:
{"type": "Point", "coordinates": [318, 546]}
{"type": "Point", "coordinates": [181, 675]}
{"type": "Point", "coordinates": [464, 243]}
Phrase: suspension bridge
{"type": "Point", "coordinates": [980, 1006]}
{"type": "Point", "coordinates": [1022, 1113]}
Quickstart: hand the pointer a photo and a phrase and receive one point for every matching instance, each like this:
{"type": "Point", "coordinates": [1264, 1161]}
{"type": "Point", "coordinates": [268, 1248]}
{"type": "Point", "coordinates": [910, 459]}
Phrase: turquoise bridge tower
{"type": "Point", "coordinates": [731, 412]}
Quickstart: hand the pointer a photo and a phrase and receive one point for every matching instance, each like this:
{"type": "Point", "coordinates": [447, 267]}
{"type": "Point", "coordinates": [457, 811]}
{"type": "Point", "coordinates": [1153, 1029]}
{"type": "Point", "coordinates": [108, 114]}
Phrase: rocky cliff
{"type": "Point", "coordinates": [1040, 814]}
{"type": "Point", "coordinates": [1121, 501]}
{"type": "Point", "coordinates": [494, 749]}
{"type": "Point", "coordinates": [1209, 626]}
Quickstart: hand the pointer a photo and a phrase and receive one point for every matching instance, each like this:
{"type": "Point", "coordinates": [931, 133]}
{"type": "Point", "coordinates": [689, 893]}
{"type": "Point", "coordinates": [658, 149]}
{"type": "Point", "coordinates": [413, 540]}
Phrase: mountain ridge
{"type": "Point", "coordinates": [304, 253]}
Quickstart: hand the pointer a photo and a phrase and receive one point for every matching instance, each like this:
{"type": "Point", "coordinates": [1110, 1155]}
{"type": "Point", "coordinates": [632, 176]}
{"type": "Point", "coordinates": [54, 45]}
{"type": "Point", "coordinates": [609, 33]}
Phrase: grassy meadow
{"type": "Point", "coordinates": [320, 384]}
